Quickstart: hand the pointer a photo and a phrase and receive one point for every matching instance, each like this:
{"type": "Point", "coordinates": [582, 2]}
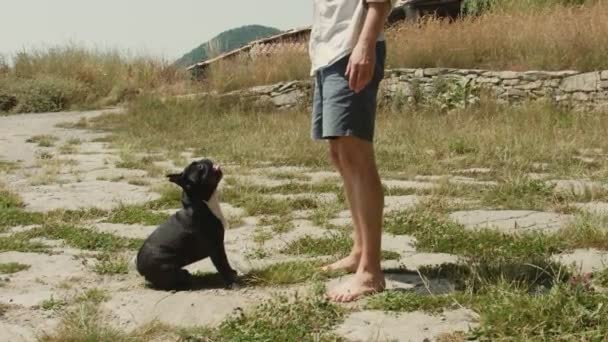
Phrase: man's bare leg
{"type": "Point", "coordinates": [359, 169]}
{"type": "Point", "coordinates": [349, 263]}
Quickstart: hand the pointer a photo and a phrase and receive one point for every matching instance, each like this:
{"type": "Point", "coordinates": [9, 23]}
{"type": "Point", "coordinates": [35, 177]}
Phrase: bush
{"type": "Point", "coordinates": [45, 94]}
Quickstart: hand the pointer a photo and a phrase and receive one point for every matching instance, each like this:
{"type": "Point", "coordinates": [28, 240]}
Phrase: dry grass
{"type": "Point", "coordinates": [550, 38]}
{"type": "Point", "coordinates": [245, 72]}
{"type": "Point", "coordinates": [64, 77]}
{"type": "Point", "coordinates": [515, 35]}
{"type": "Point", "coordinates": [512, 140]}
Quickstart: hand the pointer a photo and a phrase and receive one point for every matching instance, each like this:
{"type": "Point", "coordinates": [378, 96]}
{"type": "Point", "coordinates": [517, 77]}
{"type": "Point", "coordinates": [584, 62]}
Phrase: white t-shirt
{"type": "Point", "coordinates": [336, 27]}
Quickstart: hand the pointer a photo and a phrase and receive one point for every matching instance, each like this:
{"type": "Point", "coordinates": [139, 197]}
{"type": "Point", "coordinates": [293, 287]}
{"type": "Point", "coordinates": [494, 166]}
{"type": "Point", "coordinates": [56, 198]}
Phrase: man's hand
{"type": "Point", "coordinates": [360, 69]}
{"type": "Point", "coordinates": [362, 62]}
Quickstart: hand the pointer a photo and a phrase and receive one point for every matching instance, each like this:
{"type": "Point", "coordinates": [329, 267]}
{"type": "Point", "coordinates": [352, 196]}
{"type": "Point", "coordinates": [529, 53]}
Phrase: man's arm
{"type": "Point", "coordinates": [360, 69]}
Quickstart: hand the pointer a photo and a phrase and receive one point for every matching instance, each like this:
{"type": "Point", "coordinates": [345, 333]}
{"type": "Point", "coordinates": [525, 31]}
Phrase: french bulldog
{"type": "Point", "coordinates": [193, 233]}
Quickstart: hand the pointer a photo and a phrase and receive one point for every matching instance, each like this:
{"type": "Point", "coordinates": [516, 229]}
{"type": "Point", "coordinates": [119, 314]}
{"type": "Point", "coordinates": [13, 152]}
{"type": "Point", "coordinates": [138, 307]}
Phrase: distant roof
{"type": "Point", "coordinates": [281, 36]}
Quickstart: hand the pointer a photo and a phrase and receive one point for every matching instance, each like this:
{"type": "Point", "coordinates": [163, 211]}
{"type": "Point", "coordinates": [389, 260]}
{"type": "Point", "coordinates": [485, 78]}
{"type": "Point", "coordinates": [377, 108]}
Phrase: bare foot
{"type": "Point", "coordinates": [348, 264]}
{"type": "Point", "coordinates": [359, 285]}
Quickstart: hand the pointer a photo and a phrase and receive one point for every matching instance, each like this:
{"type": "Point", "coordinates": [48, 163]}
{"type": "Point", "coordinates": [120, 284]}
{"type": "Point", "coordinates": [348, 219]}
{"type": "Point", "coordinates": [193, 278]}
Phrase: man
{"type": "Point", "coordinates": [348, 53]}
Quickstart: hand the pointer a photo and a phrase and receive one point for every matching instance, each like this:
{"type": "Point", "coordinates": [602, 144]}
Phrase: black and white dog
{"type": "Point", "coordinates": [192, 234]}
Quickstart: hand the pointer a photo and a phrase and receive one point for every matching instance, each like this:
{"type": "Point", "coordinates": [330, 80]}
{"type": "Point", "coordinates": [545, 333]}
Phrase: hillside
{"type": "Point", "coordinates": [226, 41]}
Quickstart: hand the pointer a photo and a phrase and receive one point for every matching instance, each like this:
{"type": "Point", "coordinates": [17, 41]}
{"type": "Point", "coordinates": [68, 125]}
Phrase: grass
{"type": "Point", "coordinates": [65, 77]}
{"type": "Point", "coordinates": [83, 238]}
{"type": "Point", "coordinates": [244, 72]}
{"type": "Point", "coordinates": [8, 199]}
{"type": "Point", "coordinates": [19, 244]}
{"type": "Point", "coordinates": [129, 161]}
{"type": "Point", "coordinates": [435, 233]}
{"type": "Point", "coordinates": [419, 141]}
{"type": "Point", "coordinates": [53, 304]}
{"type": "Point", "coordinates": [291, 176]}
{"type": "Point", "coordinates": [546, 36]}
{"type": "Point", "coordinates": [278, 224]}
{"type": "Point", "coordinates": [70, 146]}
{"type": "Point", "coordinates": [43, 140]}
{"type": "Point", "coordinates": [284, 273]}
{"type": "Point", "coordinates": [257, 204]}
{"type": "Point", "coordinates": [308, 318]}
{"type": "Point", "coordinates": [586, 231]}
{"type": "Point", "coordinates": [12, 267]}
{"type": "Point", "coordinates": [86, 322]}
{"type": "Point", "coordinates": [508, 312]}
{"type": "Point", "coordinates": [602, 277]}
{"type": "Point", "coordinates": [111, 263]}
{"type": "Point", "coordinates": [95, 296]}
{"type": "Point", "coordinates": [553, 38]}
{"type": "Point", "coordinates": [6, 166]}
{"type": "Point", "coordinates": [136, 214]}
{"type": "Point", "coordinates": [338, 245]}
{"type": "Point", "coordinates": [407, 301]}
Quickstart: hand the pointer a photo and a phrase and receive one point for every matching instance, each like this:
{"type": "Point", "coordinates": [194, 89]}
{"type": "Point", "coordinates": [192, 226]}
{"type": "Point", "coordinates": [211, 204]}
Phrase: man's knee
{"type": "Point", "coordinates": [351, 153]}
{"type": "Point", "coordinates": [334, 154]}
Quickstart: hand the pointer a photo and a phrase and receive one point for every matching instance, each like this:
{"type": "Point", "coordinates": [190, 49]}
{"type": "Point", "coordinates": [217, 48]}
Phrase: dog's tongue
{"type": "Point", "coordinates": [217, 168]}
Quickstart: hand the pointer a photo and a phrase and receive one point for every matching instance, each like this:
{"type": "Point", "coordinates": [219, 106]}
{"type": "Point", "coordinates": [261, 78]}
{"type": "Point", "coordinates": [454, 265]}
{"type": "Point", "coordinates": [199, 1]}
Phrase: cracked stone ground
{"type": "Point", "coordinates": [75, 209]}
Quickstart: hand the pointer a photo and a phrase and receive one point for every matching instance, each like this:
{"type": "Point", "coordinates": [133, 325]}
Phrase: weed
{"type": "Point", "coordinates": [53, 304]}
{"type": "Point", "coordinates": [111, 263]}
{"type": "Point", "coordinates": [12, 267]}
{"type": "Point", "coordinates": [43, 140]}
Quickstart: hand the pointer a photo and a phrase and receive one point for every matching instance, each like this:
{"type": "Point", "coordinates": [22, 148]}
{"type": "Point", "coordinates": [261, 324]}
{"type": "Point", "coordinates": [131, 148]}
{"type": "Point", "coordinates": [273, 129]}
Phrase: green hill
{"type": "Point", "coordinates": [226, 41]}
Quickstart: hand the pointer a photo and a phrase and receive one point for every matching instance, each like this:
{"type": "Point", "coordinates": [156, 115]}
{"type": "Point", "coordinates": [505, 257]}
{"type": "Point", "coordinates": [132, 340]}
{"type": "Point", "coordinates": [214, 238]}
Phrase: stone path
{"type": "Point", "coordinates": [86, 184]}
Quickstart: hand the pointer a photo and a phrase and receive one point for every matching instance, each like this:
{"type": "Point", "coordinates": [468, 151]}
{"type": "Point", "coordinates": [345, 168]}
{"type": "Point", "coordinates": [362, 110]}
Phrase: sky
{"type": "Point", "coordinates": [160, 28]}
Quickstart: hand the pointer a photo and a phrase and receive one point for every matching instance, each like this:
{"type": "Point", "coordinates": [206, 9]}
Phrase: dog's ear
{"type": "Point", "coordinates": [176, 178]}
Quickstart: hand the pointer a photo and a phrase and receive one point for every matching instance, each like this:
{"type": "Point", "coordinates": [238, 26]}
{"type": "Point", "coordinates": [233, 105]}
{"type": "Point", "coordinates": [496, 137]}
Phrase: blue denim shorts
{"type": "Point", "coordinates": [337, 110]}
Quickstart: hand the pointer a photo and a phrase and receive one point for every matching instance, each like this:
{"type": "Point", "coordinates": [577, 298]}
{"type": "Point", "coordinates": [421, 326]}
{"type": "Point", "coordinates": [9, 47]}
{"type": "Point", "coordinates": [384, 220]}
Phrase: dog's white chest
{"type": "Point", "coordinates": [214, 206]}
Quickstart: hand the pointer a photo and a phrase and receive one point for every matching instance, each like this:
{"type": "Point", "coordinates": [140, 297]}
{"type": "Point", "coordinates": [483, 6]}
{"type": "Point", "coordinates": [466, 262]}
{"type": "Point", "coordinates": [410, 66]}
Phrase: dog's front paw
{"type": "Point", "coordinates": [234, 286]}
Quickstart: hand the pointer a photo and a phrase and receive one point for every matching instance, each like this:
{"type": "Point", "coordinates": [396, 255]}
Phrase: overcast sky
{"type": "Point", "coordinates": [154, 27]}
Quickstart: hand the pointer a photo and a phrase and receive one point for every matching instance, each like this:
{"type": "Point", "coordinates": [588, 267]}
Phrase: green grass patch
{"type": "Point", "coordinates": [602, 277]}
{"type": "Point", "coordinates": [12, 267]}
{"type": "Point", "coordinates": [282, 318]}
{"type": "Point", "coordinates": [7, 166]}
{"type": "Point", "coordinates": [257, 204]}
{"type": "Point", "coordinates": [408, 301]}
{"type": "Point", "coordinates": [563, 313]}
{"type": "Point", "coordinates": [520, 193]}
{"type": "Point", "coordinates": [287, 273]}
{"type": "Point", "coordinates": [586, 231]}
{"type": "Point", "coordinates": [9, 199]}
{"type": "Point", "coordinates": [17, 217]}
{"type": "Point", "coordinates": [170, 197]}
{"type": "Point", "coordinates": [111, 263]}
{"type": "Point", "coordinates": [83, 238]}
{"type": "Point", "coordinates": [53, 304]}
{"type": "Point", "coordinates": [324, 213]}
{"type": "Point", "coordinates": [509, 312]}
{"type": "Point", "coordinates": [390, 255]}
{"type": "Point", "coordinates": [96, 296]}
{"type": "Point", "coordinates": [146, 163]}
{"type": "Point", "coordinates": [43, 140]}
{"type": "Point", "coordinates": [338, 245]}
{"type": "Point", "coordinates": [70, 146]}
{"type": "Point", "coordinates": [17, 243]}
{"type": "Point", "coordinates": [435, 233]}
{"type": "Point", "coordinates": [136, 214]}
{"type": "Point", "coordinates": [278, 224]}
{"type": "Point", "coordinates": [292, 176]}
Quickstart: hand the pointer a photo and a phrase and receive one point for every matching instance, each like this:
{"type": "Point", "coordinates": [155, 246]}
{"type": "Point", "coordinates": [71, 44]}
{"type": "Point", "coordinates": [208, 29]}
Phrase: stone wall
{"type": "Point", "coordinates": [460, 87]}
